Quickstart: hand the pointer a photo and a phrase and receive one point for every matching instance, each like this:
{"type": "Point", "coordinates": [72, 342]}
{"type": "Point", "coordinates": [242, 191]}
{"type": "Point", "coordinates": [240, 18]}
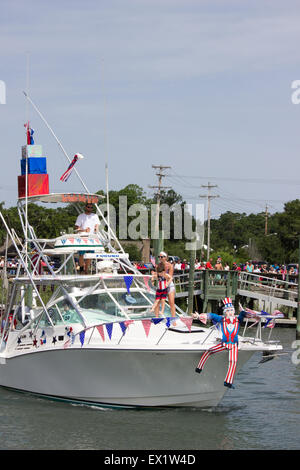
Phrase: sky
{"type": "Point", "coordinates": [202, 86]}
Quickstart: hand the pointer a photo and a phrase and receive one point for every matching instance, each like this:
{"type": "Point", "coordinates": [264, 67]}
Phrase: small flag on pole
{"type": "Point", "coordinates": [64, 177]}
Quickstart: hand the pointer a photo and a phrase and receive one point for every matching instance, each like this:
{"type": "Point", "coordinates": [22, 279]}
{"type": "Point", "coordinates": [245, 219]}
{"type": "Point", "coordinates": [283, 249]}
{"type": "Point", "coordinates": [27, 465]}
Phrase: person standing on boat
{"type": "Point", "coordinates": [169, 267]}
{"type": "Point", "coordinates": [87, 222]}
{"type": "Point", "coordinates": [163, 282]}
{"type": "Point", "coordinates": [230, 325]}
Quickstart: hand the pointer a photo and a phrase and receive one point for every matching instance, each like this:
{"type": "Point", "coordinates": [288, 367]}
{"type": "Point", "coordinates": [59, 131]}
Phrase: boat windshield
{"type": "Point", "coordinates": [61, 313]}
{"type": "Point", "coordinates": [103, 307]}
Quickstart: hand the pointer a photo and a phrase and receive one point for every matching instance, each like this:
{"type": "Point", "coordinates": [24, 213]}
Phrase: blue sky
{"type": "Point", "coordinates": [201, 86]}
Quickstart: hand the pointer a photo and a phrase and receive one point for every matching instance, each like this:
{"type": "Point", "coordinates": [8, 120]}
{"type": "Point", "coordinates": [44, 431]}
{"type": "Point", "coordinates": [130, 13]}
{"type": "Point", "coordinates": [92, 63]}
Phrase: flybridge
{"type": "Point", "coordinates": [64, 197]}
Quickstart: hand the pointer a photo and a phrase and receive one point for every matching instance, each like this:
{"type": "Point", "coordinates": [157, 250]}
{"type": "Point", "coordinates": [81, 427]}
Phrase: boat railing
{"type": "Point", "coordinates": [181, 281]}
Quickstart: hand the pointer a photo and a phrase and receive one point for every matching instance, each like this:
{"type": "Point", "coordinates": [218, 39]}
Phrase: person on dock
{"type": "Point", "coordinates": [87, 222]}
{"type": "Point", "coordinates": [163, 280]}
{"type": "Point", "coordinates": [230, 325]}
{"type": "Point", "coordinates": [218, 265]}
{"type": "Point", "coordinates": [208, 264]}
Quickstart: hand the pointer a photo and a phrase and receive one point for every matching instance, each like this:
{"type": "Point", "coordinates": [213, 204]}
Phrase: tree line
{"type": "Point", "coordinates": [237, 237]}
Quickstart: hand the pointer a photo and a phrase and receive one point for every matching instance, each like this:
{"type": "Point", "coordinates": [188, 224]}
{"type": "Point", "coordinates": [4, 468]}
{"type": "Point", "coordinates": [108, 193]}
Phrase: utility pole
{"type": "Point", "coordinates": [209, 196]}
{"type": "Point", "coordinates": [266, 220]}
{"type": "Point", "coordinates": [159, 187]}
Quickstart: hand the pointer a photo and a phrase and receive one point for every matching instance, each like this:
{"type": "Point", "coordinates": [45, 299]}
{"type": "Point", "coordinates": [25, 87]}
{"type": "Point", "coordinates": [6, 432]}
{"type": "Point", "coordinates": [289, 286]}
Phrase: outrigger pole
{"type": "Point", "coordinates": [24, 264]}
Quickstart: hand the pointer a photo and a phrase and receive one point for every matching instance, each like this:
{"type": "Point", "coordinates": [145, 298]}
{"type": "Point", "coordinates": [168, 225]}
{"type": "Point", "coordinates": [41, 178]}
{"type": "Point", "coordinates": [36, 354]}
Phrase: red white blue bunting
{"type": "Point", "coordinates": [124, 325]}
{"type": "Point", "coordinates": [128, 281]}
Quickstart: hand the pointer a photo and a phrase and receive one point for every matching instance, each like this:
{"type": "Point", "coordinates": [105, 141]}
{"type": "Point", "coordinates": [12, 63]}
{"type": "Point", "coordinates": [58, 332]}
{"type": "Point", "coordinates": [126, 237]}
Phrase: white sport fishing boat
{"type": "Point", "coordinates": [95, 340]}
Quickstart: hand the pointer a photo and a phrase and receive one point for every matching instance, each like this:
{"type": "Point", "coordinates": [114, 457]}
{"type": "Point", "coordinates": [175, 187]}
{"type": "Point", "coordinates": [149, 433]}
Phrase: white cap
{"type": "Point", "coordinates": [162, 253]}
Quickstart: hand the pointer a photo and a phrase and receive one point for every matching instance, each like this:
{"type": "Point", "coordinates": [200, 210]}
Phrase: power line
{"type": "Point", "coordinates": [249, 180]}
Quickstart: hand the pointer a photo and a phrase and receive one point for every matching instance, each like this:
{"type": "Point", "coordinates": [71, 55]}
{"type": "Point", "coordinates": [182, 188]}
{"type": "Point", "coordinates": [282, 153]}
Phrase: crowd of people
{"type": "Point", "coordinates": [248, 266]}
{"type": "Point", "coordinates": [183, 265]}
{"type": "Point", "coordinates": [11, 264]}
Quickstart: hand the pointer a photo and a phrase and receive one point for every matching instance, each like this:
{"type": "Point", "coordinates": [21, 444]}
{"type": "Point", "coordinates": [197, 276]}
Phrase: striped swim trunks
{"type": "Point", "coordinates": [161, 293]}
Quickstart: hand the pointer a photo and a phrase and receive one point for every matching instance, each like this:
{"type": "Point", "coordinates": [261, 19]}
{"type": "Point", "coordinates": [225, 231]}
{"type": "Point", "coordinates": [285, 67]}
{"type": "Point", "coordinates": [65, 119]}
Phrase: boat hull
{"type": "Point", "coordinates": [125, 377]}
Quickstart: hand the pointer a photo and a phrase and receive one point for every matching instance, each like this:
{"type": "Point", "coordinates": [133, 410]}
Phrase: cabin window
{"type": "Point", "coordinates": [61, 313]}
{"type": "Point", "coordinates": [99, 306]}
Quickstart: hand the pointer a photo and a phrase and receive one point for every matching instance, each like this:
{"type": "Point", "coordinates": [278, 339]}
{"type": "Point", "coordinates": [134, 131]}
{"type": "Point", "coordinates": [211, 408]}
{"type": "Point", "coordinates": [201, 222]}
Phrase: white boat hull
{"type": "Point", "coordinates": [124, 377]}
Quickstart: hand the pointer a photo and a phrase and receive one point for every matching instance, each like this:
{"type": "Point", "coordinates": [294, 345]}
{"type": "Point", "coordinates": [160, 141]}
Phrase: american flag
{"type": "Point", "coordinates": [270, 323]}
{"type": "Point", "coordinates": [251, 313]}
{"type": "Point", "coordinates": [64, 177]}
{"type": "Point", "coordinates": [152, 260]}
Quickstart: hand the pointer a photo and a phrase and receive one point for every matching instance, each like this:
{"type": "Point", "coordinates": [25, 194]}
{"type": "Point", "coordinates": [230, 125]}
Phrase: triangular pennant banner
{"type": "Point", "coordinates": [169, 321]}
{"type": "Point", "coordinates": [109, 328]}
{"type": "Point", "coordinates": [128, 322]}
{"type": "Point", "coordinates": [128, 281]}
{"type": "Point", "coordinates": [203, 318]}
{"type": "Point", "coordinates": [123, 327]}
{"type": "Point", "coordinates": [188, 322]}
{"type": "Point", "coordinates": [101, 331]}
{"type": "Point", "coordinates": [81, 337]}
{"type": "Point", "coordinates": [146, 325]}
{"type": "Point", "coordinates": [156, 320]}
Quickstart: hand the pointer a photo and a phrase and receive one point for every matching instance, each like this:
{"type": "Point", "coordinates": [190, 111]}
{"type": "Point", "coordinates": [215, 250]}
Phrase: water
{"type": "Point", "coordinates": [261, 413]}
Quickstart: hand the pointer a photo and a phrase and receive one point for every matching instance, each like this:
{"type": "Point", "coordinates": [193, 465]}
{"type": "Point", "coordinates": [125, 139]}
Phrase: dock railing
{"type": "Point", "coordinates": [270, 288]}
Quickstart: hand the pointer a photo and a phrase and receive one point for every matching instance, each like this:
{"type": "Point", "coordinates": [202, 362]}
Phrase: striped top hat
{"type": "Point", "coordinates": [227, 303]}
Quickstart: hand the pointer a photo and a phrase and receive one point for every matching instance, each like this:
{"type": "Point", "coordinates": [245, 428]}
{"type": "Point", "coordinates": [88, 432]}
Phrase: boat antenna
{"type": "Point", "coordinates": [26, 156]}
{"type": "Point", "coordinates": [107, 196]}
{"type": "Point", "coordinates": [105, 148]}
